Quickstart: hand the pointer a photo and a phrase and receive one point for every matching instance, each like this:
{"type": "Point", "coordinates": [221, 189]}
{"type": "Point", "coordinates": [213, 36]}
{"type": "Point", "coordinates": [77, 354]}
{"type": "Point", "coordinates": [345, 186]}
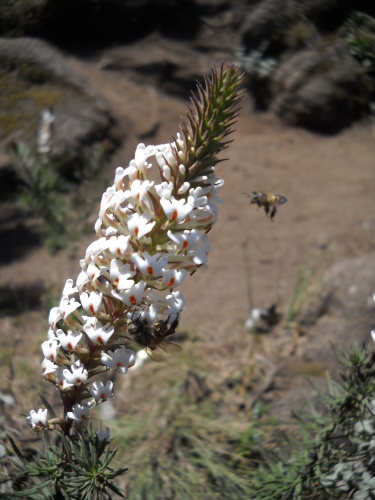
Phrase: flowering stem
{"type": "Point", "coordinates": [150, 237]}
{"type": "Point", "coordinates": [210, 118]}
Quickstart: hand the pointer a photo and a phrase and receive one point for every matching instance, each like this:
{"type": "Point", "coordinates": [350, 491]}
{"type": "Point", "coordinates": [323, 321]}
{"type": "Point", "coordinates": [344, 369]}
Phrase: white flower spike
{"type": "Point", "coordinates": [150, 236]}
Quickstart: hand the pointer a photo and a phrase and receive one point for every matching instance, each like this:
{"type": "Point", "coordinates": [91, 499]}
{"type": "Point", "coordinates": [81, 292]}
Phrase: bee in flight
{"type": "Point", "coordinates": [152, 337]}
{"type": "Point", "coordinates": [268, 201]}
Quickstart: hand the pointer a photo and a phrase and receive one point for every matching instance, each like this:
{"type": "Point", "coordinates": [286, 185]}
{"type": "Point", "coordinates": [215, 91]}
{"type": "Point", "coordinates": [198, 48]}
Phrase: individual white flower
{"type": "Point", "coordinates": [204, 216]}
{"type": "Point", "coordinates": [175, 302]}
{"type": "Point", "coordinates": [166, 172]}
{"type": "Point", "coordinates": [140, 225]}
{"type": "Point", "coordinates": [117, 200]}
{"type": "Point", "coordinates": [119, 176]}
{"type": "Point", "coordinates": [68, 306]}
{"type": "Point", "coordinates": [139, 164]}
{"type": "Point", "coordinates": [103, 435]}
{"type": "Point", "coordinates": [93, 272]}
{"type": "Point", "coordinates": [48, 367]}
{"type": "Point", "coordinates": [106, 197]}
{"type": "Point", "coordinates": [80, 412]}
{"type": "Point", "coordinates": [118, 245]}
{"type": "Point", "coordinates": [77, 375]}
{"type": "Point", "coordinates": [150, 265]}
{"type": "Point", "coordinates": [132, 295]}
{"type": "Point", "coordinates": [138, 189]}
{"type": "Point", "coordinates": [50, 349]}
{"type": "Point", "coordinates": [179, 142]}
{"type": "Point", "coordinates": [164, 157]}
{"type": "Point", "coordinates": [69, 289]}
{"type": "Point", "coordinates": [142, 153]}
{"type": "Point", "coordinates": [121, 274]}
{"type": "Point", "coordinates": [120, 360]}
{"type": "Point", "coordinates": [112, 231]}
{"type": "Point", "coordinates": [101, 391]}
{"type": "Point", "coordinates": [199, 256]}
{"type": "Point", "coordinates": [164, 189]}
{"type": "Point", "coordinates": [186, 239]}
{"type": "Point", "coordinates": [82, 279]}
{"type": "Point", "coordinates": [95, 248]}
{"type": "Point", "coordinates": [54, 316]}
{"type": "Point", "coordinates": [176, 210]}
{"type": "Point", "coordinates": [199, 253]}
{"type": "Point", "coordinates": [184, 188]}
{"type": "Point", "coordinates": [51, 334]}
{"type": "Point", "coordinates": [91, 303]}
{"type": "Point", "coordinates": [197, 198]}
{"type": "Point", "coordinates": [182, 170]}
{"type": "Point", "coordinates": [37, 420]}
{"type": "Point", "coordinates": [131, 172]}
{"type": "Point", "coordinates": [111, 223]}
{"type": "Point", "coordinates": [373, 335]}
{"type": "Point", "coordinates": [98, 333]}
{"type": "Point", "coordinates": [62, 383]}
{"type": "Point", "coordinates": [174, 277]}
{"type": "Point", "coordinates": [69, 340]}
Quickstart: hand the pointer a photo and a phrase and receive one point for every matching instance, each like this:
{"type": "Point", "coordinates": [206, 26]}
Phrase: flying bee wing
{"type": "Point", "coordinates": [158, 353]}
{"type": "Point", "coordinates": [251, 196]}
{"type": "Point", "coordinates": [281, 200]}
{"type": "Point", "coordinates": [155, 355]}
{"type": "Point", "coordinates": [170, 347]}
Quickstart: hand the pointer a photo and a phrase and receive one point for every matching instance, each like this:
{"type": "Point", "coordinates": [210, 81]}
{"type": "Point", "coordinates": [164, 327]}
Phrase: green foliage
{"type": "Point", "coordinates": [60, 204]}
{"type": "Point", "coordinates": [359, 31]}
{"type": "Point", "coordinates": [257, 64]}
{"type": "Point", "coordinates": [299, 34]}
{"type": "Point", "coordinates": [22, 98]}
{"type": "Point", "coordinates": [330, 457]}
{"type": "Point", "coordinates": [183, 447]}
{"type": "Point", "coordinates": [77, 467]}
{"type": "Point", "coordinates": [301, 294]}
{"type": "Point", "coordinates": [16, 14]}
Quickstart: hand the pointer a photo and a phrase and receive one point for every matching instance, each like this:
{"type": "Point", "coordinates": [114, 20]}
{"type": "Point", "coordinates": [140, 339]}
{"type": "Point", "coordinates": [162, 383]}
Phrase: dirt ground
{"type": "Point", "coordinates": [254, 262]}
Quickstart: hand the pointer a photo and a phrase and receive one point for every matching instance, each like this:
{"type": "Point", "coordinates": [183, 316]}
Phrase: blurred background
{"type": "Point", "coordinates": [81, 84]}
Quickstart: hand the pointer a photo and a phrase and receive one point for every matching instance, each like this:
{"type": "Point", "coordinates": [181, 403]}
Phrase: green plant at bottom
{"type": "Point", "coordinates": [79, 469]}
{"type": "Point", "coordinates": [333, 456]}
{"type": "Point", "coordinates": [183, 448]}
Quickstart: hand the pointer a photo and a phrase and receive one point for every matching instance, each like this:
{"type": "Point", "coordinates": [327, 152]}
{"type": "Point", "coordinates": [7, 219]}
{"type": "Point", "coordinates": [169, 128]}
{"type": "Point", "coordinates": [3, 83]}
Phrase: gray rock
{"type": "Point", "coordinates": [323, 89]}
{"type": "Point", "coordinates": [343, 313]}
{"type": "Point", "coordinates": [168, 65]}
{"type": "Point", "coordinates": [264, 22]}
{"type": "Point", "coordinates": [300, 65]}
{"type": "Point", "coordinates": [34, 77]}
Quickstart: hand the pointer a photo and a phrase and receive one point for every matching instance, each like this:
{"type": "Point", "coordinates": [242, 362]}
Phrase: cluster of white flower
{"type": "Point", "coordinates": [150, 237]}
